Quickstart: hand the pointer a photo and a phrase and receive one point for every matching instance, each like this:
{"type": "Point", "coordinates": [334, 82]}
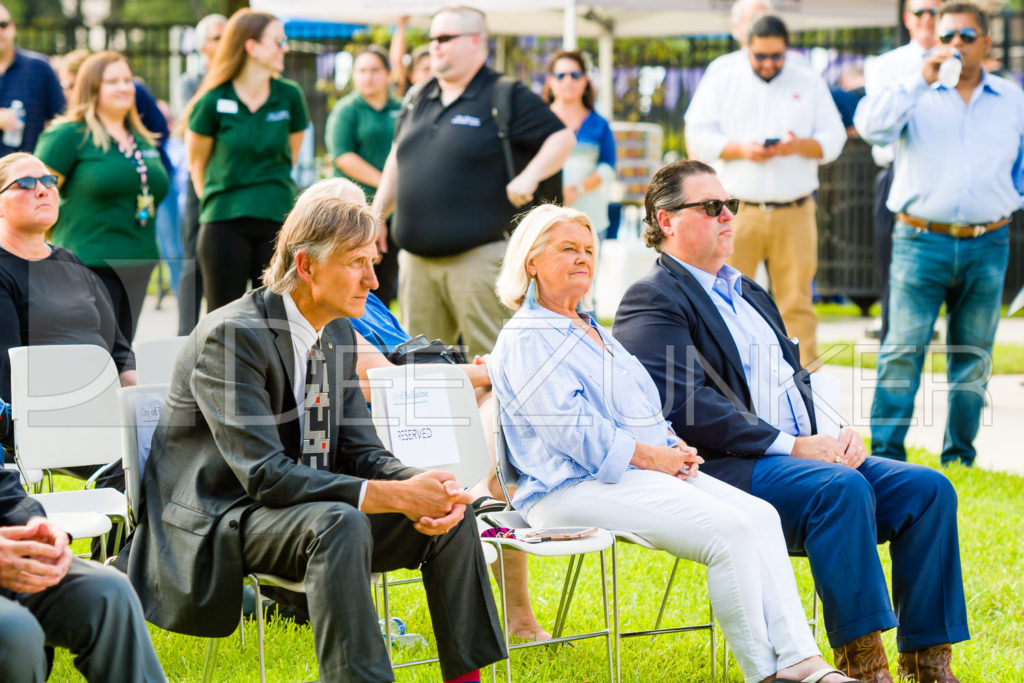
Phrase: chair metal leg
{"type": "Point", "coordinates": [607, 626]}
{"type": "Point", "coordinates": [711, 620]}
{"type": "Point", "coordinates": [504, 611]}
{"type": "Point", "coordinates": [615, 612]}
{"type": "Point", "coordinates": [210, 660]}
{"type": "Point", "coordinates": [259, 629]}
{"type": "Point", "coordinates": [387, 615]}
{"type": "Point", "coordinates": [568, 588]}
{"type": "Point", "coordinates": [664, 598]}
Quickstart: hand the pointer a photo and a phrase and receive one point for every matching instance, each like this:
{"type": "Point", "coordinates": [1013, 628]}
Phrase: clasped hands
{"type": "Point", "coordinates": [33, 557]}
{"type": "Point", "coordinates": [848, 449]}
{"type": "Point", "coordinates": [680, 461]}
{"type": "Point", "coordinates": [436, 502]}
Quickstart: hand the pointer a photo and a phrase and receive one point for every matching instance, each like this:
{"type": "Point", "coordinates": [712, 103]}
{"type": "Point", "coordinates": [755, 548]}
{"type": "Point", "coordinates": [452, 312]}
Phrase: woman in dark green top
{"type": "Point", "coordinates": [111, 181]}
{"type": "Point", "coordinates": [245, 127]}
{"type": "Point", "coordinates": [360, 130]}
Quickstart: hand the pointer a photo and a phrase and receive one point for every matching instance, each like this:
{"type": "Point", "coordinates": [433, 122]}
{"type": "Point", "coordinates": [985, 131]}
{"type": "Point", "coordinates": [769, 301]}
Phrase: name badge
{"type": "Point", "coordinates": [150, 153]}
{"type": "Point", "coordinates": [227, 106]}
{"type": "Point", "coordinates": [465, 120]}
{"type": "Point", "coordinates": [283, 115]}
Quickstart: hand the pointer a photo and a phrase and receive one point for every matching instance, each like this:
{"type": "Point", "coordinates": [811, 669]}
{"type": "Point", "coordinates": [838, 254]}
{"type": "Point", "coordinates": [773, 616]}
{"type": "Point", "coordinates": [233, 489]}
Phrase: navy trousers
{"type": "Point", "coordinates": [837, 515]}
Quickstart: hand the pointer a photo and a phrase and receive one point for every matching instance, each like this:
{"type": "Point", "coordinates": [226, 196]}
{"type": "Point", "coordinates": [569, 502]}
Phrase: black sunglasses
{"type": "Point", "coordinates": [968, 35]}
{"type": "Point", "coordinates": [921, 12]}
{"type": "Point", "coordinates": [774, 56]}
{"type": "Point", "coordinates": [574, 75]}
{"type": "Point", "coordinates": [445, 37]}
{"type": "Point", "coordinates": [713, 207]}
{"type": "Point", "coordinates": [5, 24]}
{"type": "Point", "coordinates": [29, 183]}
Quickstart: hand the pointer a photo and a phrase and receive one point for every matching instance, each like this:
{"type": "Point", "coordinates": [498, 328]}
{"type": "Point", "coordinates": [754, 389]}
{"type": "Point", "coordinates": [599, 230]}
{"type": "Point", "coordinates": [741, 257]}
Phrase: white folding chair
{"type": "Point", "coordinates": [64, 405]}
{"type": "Point", "coordinates": [154, 359]}
{"type": "Point", "coordinates": [436, 404]}
{"type": "Point", "coordinates": [393, 423]}
{"type": "Point", "coordinates": [140, 412]}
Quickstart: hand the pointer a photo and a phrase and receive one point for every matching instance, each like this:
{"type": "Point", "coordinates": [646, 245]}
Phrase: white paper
{"type": "Point", "coordinates": [147, 415]}
{"type": "Point", "coordinates": [420, 421]}
{"type": "Point", "coordinates": [825, 389]}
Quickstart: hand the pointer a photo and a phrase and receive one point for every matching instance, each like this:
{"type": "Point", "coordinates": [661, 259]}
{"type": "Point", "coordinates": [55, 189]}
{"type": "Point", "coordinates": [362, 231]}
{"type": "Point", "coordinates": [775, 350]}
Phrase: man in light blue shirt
{"type": "Point", "coordinates": [958, 178]}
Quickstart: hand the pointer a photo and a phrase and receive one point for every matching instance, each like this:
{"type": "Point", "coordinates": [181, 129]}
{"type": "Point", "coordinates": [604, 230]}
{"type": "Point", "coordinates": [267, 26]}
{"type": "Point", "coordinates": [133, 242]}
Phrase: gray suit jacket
{"type": "Point", "coordinates": [228, 440]}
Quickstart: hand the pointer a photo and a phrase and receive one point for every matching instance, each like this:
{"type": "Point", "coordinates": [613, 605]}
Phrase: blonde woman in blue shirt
{"type": "Point", "coordinates": [585, 430]}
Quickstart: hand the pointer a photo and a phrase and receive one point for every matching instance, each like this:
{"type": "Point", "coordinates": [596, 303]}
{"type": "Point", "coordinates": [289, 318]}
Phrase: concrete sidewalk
{"type": "Point", "coordinates": [1000, 441]}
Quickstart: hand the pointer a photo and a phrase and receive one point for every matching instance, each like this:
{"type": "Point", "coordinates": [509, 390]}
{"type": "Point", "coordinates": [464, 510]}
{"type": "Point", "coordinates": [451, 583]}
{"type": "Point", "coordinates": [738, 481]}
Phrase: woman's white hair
{"type": "Point", "coordinates": [528, 241]}
{"type": "Point", "coordinates": [341, 188]}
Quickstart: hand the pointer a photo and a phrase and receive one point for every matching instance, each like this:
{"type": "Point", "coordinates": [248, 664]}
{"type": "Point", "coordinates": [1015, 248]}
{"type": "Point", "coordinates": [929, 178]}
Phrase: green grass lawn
{"type": "Point", "coordinates": [1007, 359]}
{"type": "Point", "coordinates": [991, 518]}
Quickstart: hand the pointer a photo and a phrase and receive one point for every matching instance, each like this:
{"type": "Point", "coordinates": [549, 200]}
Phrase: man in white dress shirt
{"type": "Point", "coordinates": [888, 68]}
{"type": "Point", "coordinates": [771, 123]}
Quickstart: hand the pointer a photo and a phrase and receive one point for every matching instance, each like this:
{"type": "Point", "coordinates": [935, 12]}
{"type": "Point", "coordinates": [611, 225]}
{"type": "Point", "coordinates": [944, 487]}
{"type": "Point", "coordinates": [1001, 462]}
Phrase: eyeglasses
{"type": "Point", "coordinates": [282, 42]}
{"type": "Point", "coordinates": [445, 37]}
{"type": "Point", "coordinates": [29, 183]}
{"type": "Point", "coordinates": [968, 35]}
{"type": "Point", "coordinates": [774, 56]}
{"type": "Point", "coordinates": [918, 13]}
{"type": "Point", "coordinates": [574, 75]}
{"type": "Point", "coordinates": [713, 207]}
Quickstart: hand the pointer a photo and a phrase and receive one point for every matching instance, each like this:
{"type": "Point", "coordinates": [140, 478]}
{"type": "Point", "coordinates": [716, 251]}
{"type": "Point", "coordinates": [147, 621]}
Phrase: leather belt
{"type": "Point", "coordinates": [768, 206]}
{"type": "Point", "coordinates": [957, 230]}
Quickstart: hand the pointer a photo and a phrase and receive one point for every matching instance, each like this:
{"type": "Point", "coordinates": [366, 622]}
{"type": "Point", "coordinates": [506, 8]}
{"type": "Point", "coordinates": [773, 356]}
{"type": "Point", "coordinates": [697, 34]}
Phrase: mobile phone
{"type": "Point", "coordinates": [556, 534]}
{"type": "Point", "coordinates": [771, 142]}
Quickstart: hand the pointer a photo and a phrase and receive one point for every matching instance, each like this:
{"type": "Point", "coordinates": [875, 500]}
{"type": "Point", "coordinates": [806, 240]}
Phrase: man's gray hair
{"type": "Point", "coordinates": [204, 26]}
{"type": "Point", "coordinates": [740, 8]}
{"type": "Point", "coordinates": [471, 20]}
{"type": "Point", "coordinates": [318, 226]}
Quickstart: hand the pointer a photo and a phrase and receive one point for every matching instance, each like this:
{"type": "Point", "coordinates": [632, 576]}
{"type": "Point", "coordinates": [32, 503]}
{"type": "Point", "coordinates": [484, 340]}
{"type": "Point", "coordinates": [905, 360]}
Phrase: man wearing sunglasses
{"type": "Point", "coordinates": [28, 78]}
{"type": "Point", "coordinates": [732, 385]}
{"type": "Point", "coordinates": [770, 124]}
{"type": "Point", "coordinates": [883, 71]}
{"type": "Point", "coordinates": [447, 182]}
{"type": "Point", "coordinates": [958, 176]}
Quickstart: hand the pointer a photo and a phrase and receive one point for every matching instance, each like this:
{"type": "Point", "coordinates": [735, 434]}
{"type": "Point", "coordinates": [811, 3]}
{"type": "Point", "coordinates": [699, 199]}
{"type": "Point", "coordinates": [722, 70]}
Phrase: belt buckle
{"type": "Point", "coordinates": [979, 230]}
{"type": "Point", "coordinates": [766, 206]}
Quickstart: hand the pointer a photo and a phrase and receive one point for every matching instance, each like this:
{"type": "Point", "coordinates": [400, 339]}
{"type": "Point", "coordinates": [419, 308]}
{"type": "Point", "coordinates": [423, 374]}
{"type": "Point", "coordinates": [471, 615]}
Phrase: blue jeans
{"type": "Point", "coordinates": [927, 270]}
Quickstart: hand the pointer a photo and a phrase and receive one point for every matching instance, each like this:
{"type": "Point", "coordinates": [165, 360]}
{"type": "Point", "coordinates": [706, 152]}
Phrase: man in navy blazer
{"type": "Point", "coordinates": [732, 385]}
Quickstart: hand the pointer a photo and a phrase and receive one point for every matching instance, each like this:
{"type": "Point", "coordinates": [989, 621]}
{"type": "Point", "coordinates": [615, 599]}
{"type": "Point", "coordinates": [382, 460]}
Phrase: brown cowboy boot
{"type": "Point", "coordinates": [864, 659]}
{"type": "Point", "coordinates": [929, 665]}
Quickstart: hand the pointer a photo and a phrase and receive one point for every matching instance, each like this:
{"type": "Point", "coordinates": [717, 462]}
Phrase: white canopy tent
{"type": "Point", "coordinates": [601, 19]}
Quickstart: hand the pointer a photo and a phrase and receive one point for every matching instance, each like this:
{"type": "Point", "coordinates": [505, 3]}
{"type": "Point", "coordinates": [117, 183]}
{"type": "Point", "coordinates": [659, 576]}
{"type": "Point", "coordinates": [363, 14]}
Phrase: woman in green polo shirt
{"type": "Point", "coordinates": [111, 181]}
{"type": "Point", "coordinates": [360, 130]}
{"type": "Point", "coordinates": [245, 127]}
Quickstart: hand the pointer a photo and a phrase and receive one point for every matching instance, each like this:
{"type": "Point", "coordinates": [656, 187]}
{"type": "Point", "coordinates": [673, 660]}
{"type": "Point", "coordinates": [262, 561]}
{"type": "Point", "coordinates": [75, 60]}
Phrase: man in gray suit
{"type": "Point", "coordinates": [265, 460]}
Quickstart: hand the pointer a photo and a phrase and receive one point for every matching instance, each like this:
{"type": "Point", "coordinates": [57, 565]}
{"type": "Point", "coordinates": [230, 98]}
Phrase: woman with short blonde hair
{"type": "Point", "coordinates": [584, 427]}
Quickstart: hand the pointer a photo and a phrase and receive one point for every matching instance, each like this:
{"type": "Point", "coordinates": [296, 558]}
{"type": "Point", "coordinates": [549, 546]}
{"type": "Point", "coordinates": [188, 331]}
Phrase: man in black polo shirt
{"type": "Point", "coordinates": [30, 94]}
{"type": "Point", "coordinates": [446, 180]}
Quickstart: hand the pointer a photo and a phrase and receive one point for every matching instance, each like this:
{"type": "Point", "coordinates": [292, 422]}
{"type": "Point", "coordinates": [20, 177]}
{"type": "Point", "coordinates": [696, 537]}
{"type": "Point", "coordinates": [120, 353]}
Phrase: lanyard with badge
{"type": "Point", "coordinates": [144, 203]}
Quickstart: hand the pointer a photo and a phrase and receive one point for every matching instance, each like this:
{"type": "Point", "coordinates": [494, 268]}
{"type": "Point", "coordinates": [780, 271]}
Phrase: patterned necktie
{"type": "Point", "coordinates": [316, 431]}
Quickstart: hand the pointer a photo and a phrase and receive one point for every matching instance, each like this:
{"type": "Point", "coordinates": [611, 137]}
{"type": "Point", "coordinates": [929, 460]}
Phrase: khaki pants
{"type": "Point", "coordinates": [787, 239]}
{"type": "Point", "coordinates": [450, 296]}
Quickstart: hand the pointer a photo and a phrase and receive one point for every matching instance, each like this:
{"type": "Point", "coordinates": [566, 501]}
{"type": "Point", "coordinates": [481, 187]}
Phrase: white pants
{"type": "Point", "coordinates": [738, 538]}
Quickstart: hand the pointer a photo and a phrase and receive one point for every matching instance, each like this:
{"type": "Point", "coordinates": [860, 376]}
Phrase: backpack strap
{"type": "Point", "coordinates": [501, 110]}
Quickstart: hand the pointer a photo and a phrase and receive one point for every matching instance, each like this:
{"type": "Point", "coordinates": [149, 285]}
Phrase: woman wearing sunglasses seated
{"type": "Point", "coordinates": [47, 296]}
{"type": "Point", "coordinates": [584, 428]}
{"type": "Point", "coordinates": [590, 168]}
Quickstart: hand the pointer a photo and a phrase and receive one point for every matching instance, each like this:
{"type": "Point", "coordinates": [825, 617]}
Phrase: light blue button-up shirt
{"type": "Point", "coordinates": [954, 163]}
{"type": "Point", "coordinates": [773, 391]}
{"type": "Point", "coordinates": [571, 411]}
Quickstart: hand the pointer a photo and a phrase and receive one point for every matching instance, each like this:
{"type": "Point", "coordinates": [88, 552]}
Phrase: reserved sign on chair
{"type": "Point", "coordinates": [420, 421]}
